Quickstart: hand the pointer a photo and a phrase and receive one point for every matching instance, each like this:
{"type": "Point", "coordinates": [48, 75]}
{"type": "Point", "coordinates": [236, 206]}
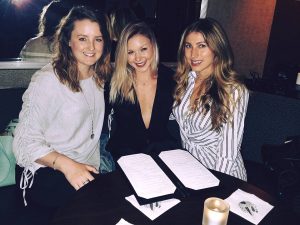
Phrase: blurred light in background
{"type": "Point", "coordinates": [19, 3]}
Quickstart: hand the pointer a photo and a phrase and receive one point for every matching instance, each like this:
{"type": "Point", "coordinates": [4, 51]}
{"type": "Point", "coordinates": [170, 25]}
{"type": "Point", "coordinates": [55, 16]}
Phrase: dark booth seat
{"type": "Point", "coordinates": [270, 120]}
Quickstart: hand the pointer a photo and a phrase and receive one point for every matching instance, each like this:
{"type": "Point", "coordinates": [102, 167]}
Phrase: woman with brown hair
{"type": "Point", "coordinates": [57, 139]}
{"type": "Point", "coordinates": [210, 99]}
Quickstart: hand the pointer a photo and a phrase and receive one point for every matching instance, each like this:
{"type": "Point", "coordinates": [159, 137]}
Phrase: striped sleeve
{"type": "Point", "coordinates": [230, 142]}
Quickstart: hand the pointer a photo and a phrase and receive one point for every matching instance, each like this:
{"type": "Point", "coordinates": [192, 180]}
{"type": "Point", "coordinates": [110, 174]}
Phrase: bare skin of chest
{"type": "Point", "coordinates": [146, 96]}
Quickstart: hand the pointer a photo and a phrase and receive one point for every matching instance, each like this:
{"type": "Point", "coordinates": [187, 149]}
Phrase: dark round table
{"type": "Point", "coordinates": [102, 202]}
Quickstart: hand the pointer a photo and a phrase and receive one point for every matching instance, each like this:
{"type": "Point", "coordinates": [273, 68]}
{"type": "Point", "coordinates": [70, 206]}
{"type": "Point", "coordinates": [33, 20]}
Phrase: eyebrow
{"type": "Point", "coordinates": [197, 43]}
{"type": "Point", "coordinates": [142, 46]}
{"type": "Point", "coordinates": [88, 35]}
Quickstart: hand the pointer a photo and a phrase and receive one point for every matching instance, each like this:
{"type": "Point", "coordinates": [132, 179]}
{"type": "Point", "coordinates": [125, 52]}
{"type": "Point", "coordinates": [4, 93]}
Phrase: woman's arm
{"type": "Point", "coordinates": [232, 135]}
{"type": "Point", "coordinates": [77, 174]}
{"type": "Point", "coordinates": [29, 141]}
{"type": "Point", "coordinates": [30, 145]}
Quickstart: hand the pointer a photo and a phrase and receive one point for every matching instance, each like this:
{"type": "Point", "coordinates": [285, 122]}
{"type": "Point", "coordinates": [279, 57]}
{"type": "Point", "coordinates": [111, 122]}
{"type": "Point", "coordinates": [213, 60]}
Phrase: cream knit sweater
{"type": "Point", "coordinates": [54, 118]}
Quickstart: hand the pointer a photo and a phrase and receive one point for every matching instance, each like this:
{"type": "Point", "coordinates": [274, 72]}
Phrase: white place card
{"type": "Point", "coordinates": [248, 206]}
{"type": "Point", "coordinates": [156, 211]}
{"type": "Point", "coordinates": [123, 222]}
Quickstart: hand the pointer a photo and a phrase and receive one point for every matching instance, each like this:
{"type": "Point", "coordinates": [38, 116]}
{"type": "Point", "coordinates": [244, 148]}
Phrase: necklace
{"type": "Point", "coordinates": [91, 109]}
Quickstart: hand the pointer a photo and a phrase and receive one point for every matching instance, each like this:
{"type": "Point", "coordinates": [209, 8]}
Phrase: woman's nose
{"type": "Point", "coordinates": [194, 53]}
{"type": "Point", "coordinates": [137, 56]}
{"type": "Point", "coordinates": [91, 45]}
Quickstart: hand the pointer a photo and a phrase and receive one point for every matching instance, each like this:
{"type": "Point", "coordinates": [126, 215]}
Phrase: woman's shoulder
{"type": "Point", "coordinates": [239, 90]}
{"type": "Point", "coordinates": [38, 44]}
{"type": "Point", "coordinates": [238, 87]}
{"type": "Point", "coordinates": [43, 85]}
{"type": "Point", "coordinates": [45, 76]}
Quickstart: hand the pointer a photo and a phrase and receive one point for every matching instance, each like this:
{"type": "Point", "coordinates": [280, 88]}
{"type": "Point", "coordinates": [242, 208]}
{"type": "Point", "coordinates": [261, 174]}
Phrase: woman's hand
{"type": "Point", "coordinates": [77, 174]}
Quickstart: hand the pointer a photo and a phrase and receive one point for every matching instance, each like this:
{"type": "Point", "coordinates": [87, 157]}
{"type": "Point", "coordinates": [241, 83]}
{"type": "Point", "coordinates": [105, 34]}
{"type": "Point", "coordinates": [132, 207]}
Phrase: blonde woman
{"type": "Point", "coordinates": [210, 100]}
{"type": "Point", "coordinates": [140, 95]}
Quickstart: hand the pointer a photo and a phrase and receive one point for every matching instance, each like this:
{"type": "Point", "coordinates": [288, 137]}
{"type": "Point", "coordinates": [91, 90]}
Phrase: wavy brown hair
{"type": "Point", "coordinates": [64, 62]}
{"type": "Point", "coordinates": [219, 86]}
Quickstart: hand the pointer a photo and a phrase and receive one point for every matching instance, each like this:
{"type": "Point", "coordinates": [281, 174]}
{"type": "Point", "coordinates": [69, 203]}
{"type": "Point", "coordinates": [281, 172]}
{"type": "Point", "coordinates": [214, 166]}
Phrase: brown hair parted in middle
{"type": "Point", "coordinates": [65, 64]}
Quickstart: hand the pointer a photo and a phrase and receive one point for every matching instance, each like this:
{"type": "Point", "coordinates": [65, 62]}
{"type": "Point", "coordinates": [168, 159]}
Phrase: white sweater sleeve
{"type": "Point", "coordinates": [29, 142]}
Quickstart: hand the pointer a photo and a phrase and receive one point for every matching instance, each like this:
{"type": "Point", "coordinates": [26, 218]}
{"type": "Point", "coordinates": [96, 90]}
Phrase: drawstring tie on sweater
{"type": "Point", "coordinates": [26, 181]}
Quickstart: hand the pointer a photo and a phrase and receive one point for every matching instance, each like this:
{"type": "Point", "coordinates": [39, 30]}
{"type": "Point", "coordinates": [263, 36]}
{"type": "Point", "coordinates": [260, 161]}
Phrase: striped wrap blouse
{"type": "Point", "coordinates": [217, 150]}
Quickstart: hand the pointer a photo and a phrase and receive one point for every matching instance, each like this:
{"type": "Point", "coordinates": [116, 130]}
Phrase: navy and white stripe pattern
{"type": "Point", "coordinates": [216, 150]}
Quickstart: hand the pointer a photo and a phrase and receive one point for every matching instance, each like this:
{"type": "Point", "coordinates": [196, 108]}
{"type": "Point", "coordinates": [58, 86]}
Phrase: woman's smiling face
{"type": "Point", "coordinates": [86, 44]}
{"type": "Point", "coordinates": [140, 53]}
{"type": "Point", "coordinates": [198, 54]}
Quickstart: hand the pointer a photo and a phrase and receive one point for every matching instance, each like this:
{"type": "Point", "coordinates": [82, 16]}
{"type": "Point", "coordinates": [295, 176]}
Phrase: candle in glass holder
{"type": "Point", "coordinates": [215, 212]}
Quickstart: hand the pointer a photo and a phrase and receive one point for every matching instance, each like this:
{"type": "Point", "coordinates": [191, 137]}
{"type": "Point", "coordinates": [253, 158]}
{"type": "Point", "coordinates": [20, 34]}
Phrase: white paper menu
{"type": "Point", "coordinates": [146, 177]}
{"type": "Point", "coordinates": [188, 169]}
{"type": "Point", "coordinates": [150, 181]}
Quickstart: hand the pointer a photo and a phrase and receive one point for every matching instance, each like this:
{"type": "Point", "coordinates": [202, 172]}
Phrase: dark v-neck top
{"type": "Point", "coordinates": [129, 133]}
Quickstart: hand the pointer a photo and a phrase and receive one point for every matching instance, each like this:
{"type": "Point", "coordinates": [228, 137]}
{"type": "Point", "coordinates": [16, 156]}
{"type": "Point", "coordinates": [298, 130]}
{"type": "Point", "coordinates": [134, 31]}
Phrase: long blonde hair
{"type": "Point", "coordinates": [220, 84]}
{"type": "Point", "coordinates": [122, 82]}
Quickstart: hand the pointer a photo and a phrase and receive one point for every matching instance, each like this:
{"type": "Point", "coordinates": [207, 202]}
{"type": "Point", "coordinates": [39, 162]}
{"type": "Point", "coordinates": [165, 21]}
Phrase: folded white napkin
{"type": "Point", "coordinates": [248, 206]}
{"type": "Point", "coordinates": [156, 211]}
{"type": "Point", "coordinates": [123, 222]}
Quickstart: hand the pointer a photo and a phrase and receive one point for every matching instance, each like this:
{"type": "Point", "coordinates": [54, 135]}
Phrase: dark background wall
{"type": "Point", "coordinates": [248, 25]}
{"type": "Point", "coordinates": [167, 17]}
{"type": "Point", "coordinates": [283, 54]}
{"type": "Point", "coordinates": [264, 34]}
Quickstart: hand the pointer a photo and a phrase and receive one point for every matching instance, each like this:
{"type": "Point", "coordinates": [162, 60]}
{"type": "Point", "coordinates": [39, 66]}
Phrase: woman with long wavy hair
{"type": "Point", "coordinates": [57, 139]}
{"type": "Point", "coordinates": [210, 99]}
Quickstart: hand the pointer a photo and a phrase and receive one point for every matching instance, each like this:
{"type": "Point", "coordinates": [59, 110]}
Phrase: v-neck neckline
{"type": "Point", "coordinates": [153, 107]}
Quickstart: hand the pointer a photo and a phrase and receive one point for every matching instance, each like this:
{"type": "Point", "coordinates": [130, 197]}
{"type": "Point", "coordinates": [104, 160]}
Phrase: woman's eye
{"type": "Point", "coordinates": [99, 39]}
{"type": "Point", "coordinates": [144, 49]}
{"type": "Point", "coordinates": [187, 46]}
{"type": "Point", "coordinates": [82, 39]}
{"type": "Point", "coordinates": [130, 52]}
{"type": "Point", "coordinates": [202, 45]}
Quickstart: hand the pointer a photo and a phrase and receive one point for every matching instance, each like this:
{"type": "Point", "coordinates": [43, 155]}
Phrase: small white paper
{"type": "Point", "coordinates": [152, 214]}
{"type": "Point", "coordinates": [146, 177]}
{"type": "Point", "coordinates": [188, 169]}
{"type": "Point", "coordinates": [248, 206]}
{"type": "Point", "coordinates": [123, 222]}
